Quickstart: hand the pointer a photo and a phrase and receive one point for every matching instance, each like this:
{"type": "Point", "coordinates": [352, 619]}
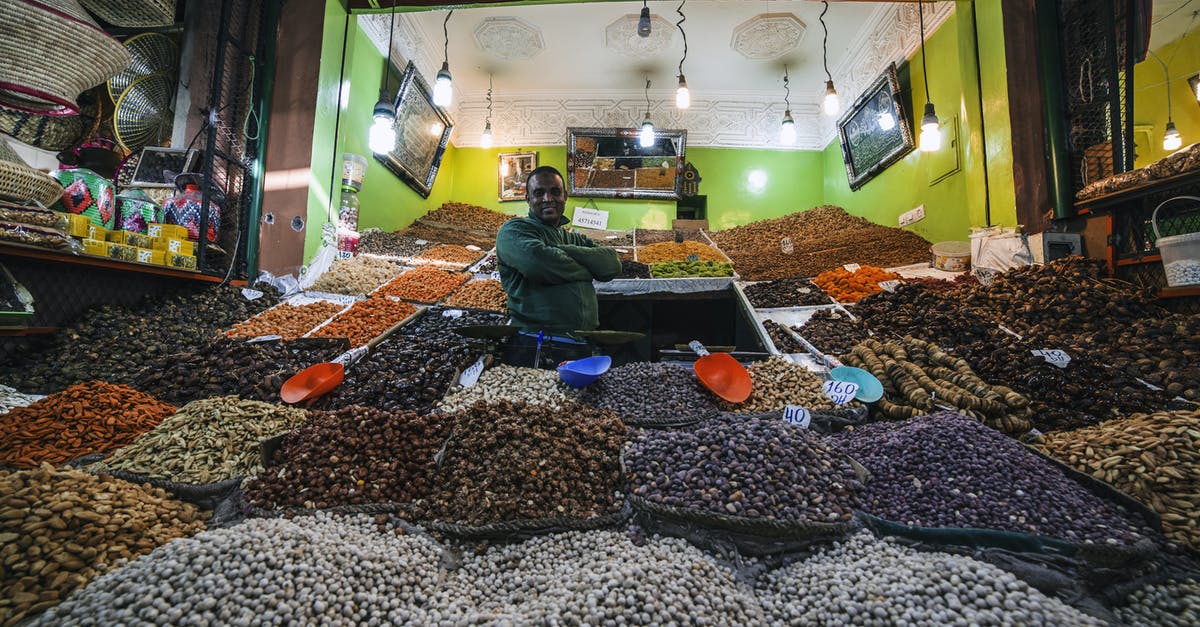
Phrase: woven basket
{"type": "Point", "coordinates": [133, 13]}
{"type": "Point", "coordinates": [52, 132]}
{"type": "Point", "coordinates": [21, 183]}
{"type": "Point", "coordinates": [53, 52]}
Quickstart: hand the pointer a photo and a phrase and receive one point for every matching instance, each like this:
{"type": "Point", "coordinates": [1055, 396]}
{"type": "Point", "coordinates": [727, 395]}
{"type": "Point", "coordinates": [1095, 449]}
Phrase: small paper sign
{"type": "Point", "coordinates": [452, 313]}
{"type": "Point", "coordinates": [495, 276]}
{"type": "Point", "coordinates": [840, 392]}
{"type": "Point", "coordinates": [1054, 356]}
{"type": "Point", "coordinates": [613, 236]}
{"type": "Point", "coordinates": [693, 257]}
{"type": "Point", "coordinates": [852, 267]}
{"type": "Point", "coordinates": [590, 218]}
{"type": "Point", "coordinates": [471, 374]}
{"type": "Point", "coordinates": [473, 247]}
{"type": "Point", "coordinates": [786, 245]}
{"type": "Point", "coordinates": [174, 245]}
{"type": "Point", "coordinates": [422, 242]}
{"type": "Point", "coordinates": [145, 256]}
{"type": "Point", "coordinates": [251, 294]}
{"type": "Point", "coordinates": [798, 416]}
{"type": "Point", "coordinates": [264, 338]}
{"type": "Point", "coordinates": [889, 286]}
{"type": "Point", "coordinates": [345, 254]}
{"type": "Point", "coordinates": [351, 356]}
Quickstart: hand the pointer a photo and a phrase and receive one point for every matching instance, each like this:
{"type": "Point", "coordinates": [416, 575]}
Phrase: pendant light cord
{"type": "Point", "coordinates": [387, 54]}
{"type": "Point", "coordinates": [445, 37]}
{"type": "Point", "coordinates": [825, 42]}
{"type": "Point", "coordinates": [924, 72]}
{"type": "Point", "coordinates": [1167, 74]}
{"type": "Point", "coordinates": [787, 91]}
{"type": "Point", "coordinates": [647, 97]}
{"type": "Point", "coordinates": [489, 97]}
{"type": "Point", "coordinates": [679, 25]}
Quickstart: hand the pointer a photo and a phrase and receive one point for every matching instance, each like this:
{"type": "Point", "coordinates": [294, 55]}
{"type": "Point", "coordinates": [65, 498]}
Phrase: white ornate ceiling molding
{"type": "Point", "coordinates": [621, 36]}
{"type": "Point", "coordinates": [409, 42]}
{"type": "Point", "coordinates": [509, 38]}
{"type": "Point", "coordinates": [768, 36]}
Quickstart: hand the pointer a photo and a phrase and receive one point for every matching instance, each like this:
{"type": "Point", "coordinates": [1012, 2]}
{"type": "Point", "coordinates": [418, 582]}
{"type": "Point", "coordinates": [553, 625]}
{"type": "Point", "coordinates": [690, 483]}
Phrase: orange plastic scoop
{"type": "Point", "coordinates": [312, 382]}
{"type": "Point", "coordinates": [722, 374]}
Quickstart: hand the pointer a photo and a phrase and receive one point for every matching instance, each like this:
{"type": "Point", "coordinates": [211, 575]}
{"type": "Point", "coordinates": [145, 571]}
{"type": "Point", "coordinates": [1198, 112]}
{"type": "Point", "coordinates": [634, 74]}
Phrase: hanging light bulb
{"type": "Point", "coordinates": [829, 105]}
{"type": "Point", "coordinates": [787, 130]}
{"type": "Point", "coordinates": [1195, 83]}
{"type": "Point", "coordinates": [382, 136]}
{"type": "Point", "coordinates": [383, 131]}
{"type": "Point", "coordinates": [931, 135]}
{"type": "Point", "coordinates": [886, 120]}
{"type": "Point", "coordinates": [683, 98]}
{"type": "Point", "coordinates": [646, 135]}
{"type": "Point", "coordinates": [644, 21]}
{"type": "Point", "coordinates": [486, 140]}
{"type": "Point", "coordinates": [1172, 140]}
{"type": "Point", "coordinates": [443, 90]}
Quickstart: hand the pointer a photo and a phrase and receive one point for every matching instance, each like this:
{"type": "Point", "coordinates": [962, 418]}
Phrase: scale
{"type": "Point", "coordinates": [610, 338]}
{"type": "Point", "coordinates": [489, 334]}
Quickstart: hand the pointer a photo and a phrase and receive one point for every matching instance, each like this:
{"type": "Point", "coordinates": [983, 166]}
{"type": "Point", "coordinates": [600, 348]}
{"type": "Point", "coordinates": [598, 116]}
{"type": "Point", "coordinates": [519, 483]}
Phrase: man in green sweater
{"type": "Point", "coordinates": [547, 271]}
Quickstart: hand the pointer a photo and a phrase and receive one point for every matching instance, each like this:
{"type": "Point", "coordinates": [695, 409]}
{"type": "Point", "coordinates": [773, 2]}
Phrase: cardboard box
{"type": "Point", "coordinates": [687, 225]}
{"type": "Point", "coordinates": [173, 231]}
{"type": "Point", "coordinates": [130, 238]}
{"type": "Point", "coordinates": [97, 232]}
{"type": "Point", "coordinates": [78, 226]}
{"type": "Point", "coordinates": [173, 245]}
{"type": "Point", "coordinates": [112, 250]}
{"type": "Point", "coordinates": [183, 262]}
{"type": "Point", "coordinates": [156, 257]}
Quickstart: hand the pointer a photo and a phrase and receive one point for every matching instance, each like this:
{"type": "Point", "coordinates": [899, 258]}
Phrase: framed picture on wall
{"type": "Point", "coordinates": [875, 131]}
{"type": "Point", "coordinates": [514, 167]}
{"type": "Point", "coordinates": [422, 133]}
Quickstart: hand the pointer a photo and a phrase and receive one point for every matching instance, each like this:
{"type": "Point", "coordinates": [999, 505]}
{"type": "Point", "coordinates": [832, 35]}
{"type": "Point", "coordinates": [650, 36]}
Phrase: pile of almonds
{"type": "Point", "coordinates": [486, 294]}
{"type": "Point", "coordinates": [287, 320]}
{"type": "Point", "coordinates": [450, 254]}
{"type": "Point", "coordinates": [366, 320]}
{"type": "Point", "coordinates": [423, 284]}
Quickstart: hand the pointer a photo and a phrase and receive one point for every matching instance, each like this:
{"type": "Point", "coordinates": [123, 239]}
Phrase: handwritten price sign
{"type": "Point", "coordinates": [889, 286]}
{"type": "Point", "coordinates": [852, 267]}
{"type": "Point", "coordinates": [840, 392]}
{"type": "Point", "coordinates": [798, 416]}
{"type": "Point", "coordinates": [471, 374]}
{"type": "Point", "coordinates": [1054, 356]}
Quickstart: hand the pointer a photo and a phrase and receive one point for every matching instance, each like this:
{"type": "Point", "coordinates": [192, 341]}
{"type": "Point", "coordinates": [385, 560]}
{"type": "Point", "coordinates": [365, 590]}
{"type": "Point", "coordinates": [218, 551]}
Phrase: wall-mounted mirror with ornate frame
{"type": "Point", "coordinates": [612, 163]}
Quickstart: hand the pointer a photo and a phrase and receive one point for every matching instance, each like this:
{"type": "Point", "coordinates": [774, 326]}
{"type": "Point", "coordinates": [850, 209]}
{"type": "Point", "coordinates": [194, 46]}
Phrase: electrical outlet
{"type": "Point", "coordinates": [916, 215]}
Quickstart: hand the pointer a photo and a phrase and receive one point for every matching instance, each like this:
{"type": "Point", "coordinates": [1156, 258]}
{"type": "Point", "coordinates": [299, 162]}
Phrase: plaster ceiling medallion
{"type": "Point", "coordinates": [621, 36]}
{"type": "Point", "coordinates": [509, 38]}
{"type": "Point", "coordinates": [768, 36]}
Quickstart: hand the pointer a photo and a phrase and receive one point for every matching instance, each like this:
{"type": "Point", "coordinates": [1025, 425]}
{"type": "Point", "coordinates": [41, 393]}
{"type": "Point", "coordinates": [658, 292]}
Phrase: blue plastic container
{"type": "Point", "coordinates": [582, 372]}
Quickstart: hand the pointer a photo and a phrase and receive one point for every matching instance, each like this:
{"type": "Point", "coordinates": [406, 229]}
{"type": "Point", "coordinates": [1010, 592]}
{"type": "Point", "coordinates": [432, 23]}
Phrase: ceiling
{"type": "Point", "coordinates": [582, 64]}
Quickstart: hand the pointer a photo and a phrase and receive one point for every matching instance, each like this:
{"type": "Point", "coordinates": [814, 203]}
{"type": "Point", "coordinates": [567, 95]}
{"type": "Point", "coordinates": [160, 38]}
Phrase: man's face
{"type": "Point", "coordinates": [547, 197]}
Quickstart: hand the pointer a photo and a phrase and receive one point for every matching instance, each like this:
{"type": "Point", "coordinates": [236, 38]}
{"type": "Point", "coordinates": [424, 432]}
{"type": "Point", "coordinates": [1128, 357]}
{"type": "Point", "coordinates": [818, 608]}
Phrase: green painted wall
{"type": "Point", "coordinates": [1182, 57]}
{"type": "Point", "coordinates": [741, 185]}
{"type": "Point", "coordinates": [993, 77]}
{"type": "Point", "coordinates": [325, 126]}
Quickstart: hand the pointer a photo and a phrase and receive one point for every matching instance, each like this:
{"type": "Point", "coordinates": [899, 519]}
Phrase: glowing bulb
{"type": "Point", "coordinates": [787, 130]}
{"type": "Point", "coordinates": [644, 22]}
{"type": "Point", "coordinates": [830, 104]}
{"type": "Point", "coordinates": [443, 94]}
{"type": "Point", "coordinates": [931, 135]}
{"type": "Point", "coordinates": [683, 99]}
{"type": "Point", "coordinates": [646, 136]}
{"type": "Point", "coordinates": [382, 137]}
{"type": "Point", "coordinates": [886, 120]}
{"type": "Point", "coordinates": [1172, 140]}
{"type": "Point", "coordinates": [436, 129]}
{"type": "Point", "coordinates": [486, 140]}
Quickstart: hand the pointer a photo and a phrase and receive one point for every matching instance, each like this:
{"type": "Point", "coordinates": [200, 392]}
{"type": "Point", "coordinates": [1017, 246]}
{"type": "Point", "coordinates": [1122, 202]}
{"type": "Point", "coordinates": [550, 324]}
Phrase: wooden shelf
{"type": "Point", "coordinates": [23, 331]}
{"type": "Point", "coordinates": [1179, 292]}
{"type": "Point", "coordinates": [14, 250]}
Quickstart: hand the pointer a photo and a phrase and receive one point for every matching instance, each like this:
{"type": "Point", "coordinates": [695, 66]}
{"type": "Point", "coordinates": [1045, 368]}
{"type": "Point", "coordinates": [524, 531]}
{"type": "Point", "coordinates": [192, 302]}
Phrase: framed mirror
{"type": "Point", "coordinates": [422, 133]}
{"type": "Point", "coordinates": [875, 131]}
{"type": "Point", "coordinates": [612, 163]}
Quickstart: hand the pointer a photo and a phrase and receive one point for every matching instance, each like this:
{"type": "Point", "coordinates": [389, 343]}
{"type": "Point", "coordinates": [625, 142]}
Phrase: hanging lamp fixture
{"type": "Point", "coordinates": [382, 136]}
{"type": "Point", "coordinates": [787, 130]}
{"type": "Point", "coordinates": [1172, 140]}
{"type": "Point", "coordinates": [486, 140]}
{"type": "Point", "coordinates": [443, 90]}
{"type": "Point", "coordinates": [931, 136]}
{"type": "Point", "coordinates": [646, 135]}
{"type": "Point", "coordinates": [830, 103]}
{"type": "Point", "coordinates": [683, 98]}
{"type": "Point", "coordinates": [644, 21]}
{"type": "Point", "coordinates": [1194, 83]}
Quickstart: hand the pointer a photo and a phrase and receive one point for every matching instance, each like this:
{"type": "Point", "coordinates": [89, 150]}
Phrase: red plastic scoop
{"type": "Point", "coordinates": [312, 382]}
{"type": "Point", "coordinates": [722, 374]}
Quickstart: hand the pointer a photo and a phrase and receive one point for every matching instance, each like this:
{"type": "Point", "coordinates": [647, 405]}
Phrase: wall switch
{"type": "Point", "coordinates": [916, 215]}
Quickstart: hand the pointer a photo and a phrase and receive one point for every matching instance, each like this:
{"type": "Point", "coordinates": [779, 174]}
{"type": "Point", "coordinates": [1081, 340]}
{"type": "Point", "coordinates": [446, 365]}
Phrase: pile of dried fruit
{"type": "Point", "coordinates": [205, 442]}
{"type": "Point", "coordinates": [449, 235]}
{"type": "Point", "coordinates": [777, 383]}
{"type": "Point", "coordinates": [401, 373]}
{"type": "Point", "coordinates": [367, 320]}
{"type": "Point", "coordinates": [785, 293]}
{"type": "Point", "coordinates": [288, 321]}
{"type": "Point", "coordinates": [1154, 458]}
{"type": "Point", "coordinates": [352, 456]}
{"type": "Point", "coordinates": [643, 392]}
{"type": "Point", "coordinates": [690, 269]}
{"type": "Point", "coordinates": [423, 284]}
{"type": "Point", "coordinates": [645, 237]}
{"type": "Point", "coordinates": [848, 286]}
{"type": "Point", "coordinates": [513, 384]}
{"type": "Point", "coordinates": [672, 251]}
{"type": "Point", "coordinates": [461, 215]}
{"type": "Point", "coordinates": [833, 331]}
{"type": "Point", "coordinates": [440, 322]}
{"type": "Point", "coordinates": [357, 275]}
{"type": "Point", "coordinates": [85, 418]}
{"type": "Point", "coordinates": [511, 461]}
{"type": "Point", "coordinates": [782, 339]}
{"type": "Point", "coordinates": [633, 270]}
{"type": "Point", "coordinates": [486, 294]}
{"type": "Point", "coordinates": [377, 242]}
{"type": "Point", "coordinates": [450, 255]}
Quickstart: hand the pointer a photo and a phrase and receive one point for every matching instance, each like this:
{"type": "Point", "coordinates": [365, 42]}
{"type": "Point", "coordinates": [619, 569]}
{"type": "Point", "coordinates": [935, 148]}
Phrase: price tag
{"type": "Point", "coordinates": [798, 416]}
{"type": "Point", "coordinates": [693, 257]}
{"type": "Point", "coordinates": [421, 242]}
{"type": "Point", "coordinates": [840, 392]}
{"type": "Point", "coordinates": [786, 245]}
{"type": "Point", "coordinates": [452, 313]}
{"type": "Point", "coordinates": [251, 294]}
{"type": "Point", "coordinates": [351, 356]}
{"type": "Point", "coordinates": [852, 267]}
{"type": "Point", "coordinates": [613, 236]}
{"type": "Point", "coordinates": [471, 374]}
{"type": "Point", "coordinates": [473, 247]}
{"type": "Point", "coordinates": [1054, 356]}
{"type": "Point", "coordinates": [345, 254]}
{"type": "Point", "coordinates": [495, 275]}
{"type": "Point", "coordinates": [889, 286]}
{"type": "Point", "coordinates": [264, 338]}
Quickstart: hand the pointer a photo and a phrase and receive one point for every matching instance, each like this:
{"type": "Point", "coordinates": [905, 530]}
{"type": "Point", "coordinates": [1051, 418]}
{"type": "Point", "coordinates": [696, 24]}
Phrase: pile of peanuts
{"type": "Point", "coordinates": [486, 294]}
